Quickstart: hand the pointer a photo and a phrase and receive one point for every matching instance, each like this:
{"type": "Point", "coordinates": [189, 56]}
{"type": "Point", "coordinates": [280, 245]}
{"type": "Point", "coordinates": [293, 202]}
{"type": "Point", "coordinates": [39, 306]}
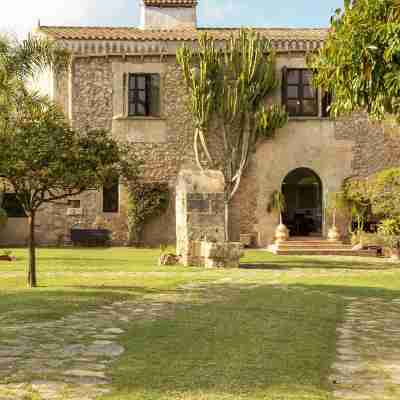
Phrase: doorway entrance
{"type": "Point", "coordinates": [302, 189]}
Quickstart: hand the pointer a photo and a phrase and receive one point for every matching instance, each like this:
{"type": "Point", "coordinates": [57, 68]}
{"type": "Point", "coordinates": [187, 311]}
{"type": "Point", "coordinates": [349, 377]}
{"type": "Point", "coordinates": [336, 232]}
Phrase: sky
{"type": "Point", "coordinates": [20, 16]}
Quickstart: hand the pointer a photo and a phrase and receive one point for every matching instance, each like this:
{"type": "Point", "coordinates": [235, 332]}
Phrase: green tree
{"type": "Point", "coordinates": [43, 159]}
{"type": "Point", "coordinates": [228, 87]}
{"type": "Point", "coordinates": [46, 160]}
{"type": "Point", "coordinates": [383, 190]}
{"type": "Point", "coordinates": [360, 60]}
{"type": "Point", "coordinates": [378, 194]}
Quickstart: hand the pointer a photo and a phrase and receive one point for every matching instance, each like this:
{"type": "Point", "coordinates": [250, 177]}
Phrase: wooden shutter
{"type": "Point", "coordinates": [284, 86]}
{"type": "Point", "coordinates": [125, 98]}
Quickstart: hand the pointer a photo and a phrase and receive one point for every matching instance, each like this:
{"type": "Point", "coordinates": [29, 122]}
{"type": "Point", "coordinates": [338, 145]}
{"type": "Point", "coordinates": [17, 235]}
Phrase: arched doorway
{"type": "Point", "coordinates": [302, 189]}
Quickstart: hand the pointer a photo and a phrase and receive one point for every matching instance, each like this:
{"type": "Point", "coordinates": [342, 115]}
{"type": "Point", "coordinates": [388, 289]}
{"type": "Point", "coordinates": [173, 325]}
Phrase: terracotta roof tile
{"type": "Point", "coordinates": [170, 3]}
{"type": "Point", "coordinates": [136, 34]}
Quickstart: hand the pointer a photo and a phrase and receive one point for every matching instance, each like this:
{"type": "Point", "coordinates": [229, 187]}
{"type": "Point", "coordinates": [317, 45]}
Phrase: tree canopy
{"type": "Point", "coordinates": [360, 60]}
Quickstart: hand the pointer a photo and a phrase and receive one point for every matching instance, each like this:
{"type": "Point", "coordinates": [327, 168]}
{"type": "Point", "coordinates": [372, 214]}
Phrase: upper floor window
{"type": "Point", "coordinates": [111, 197]}
{"type": "Point", "coordinates": [12, 206]}
{"type": "Point", "coordinates": [144, 95]}
{"type": "Point", "coordinates": [298, 92]}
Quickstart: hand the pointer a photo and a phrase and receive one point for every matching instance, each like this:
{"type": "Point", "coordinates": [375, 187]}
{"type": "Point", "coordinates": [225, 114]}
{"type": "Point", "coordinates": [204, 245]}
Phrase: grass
{"type": "Point", "coordinates": [266, 331]}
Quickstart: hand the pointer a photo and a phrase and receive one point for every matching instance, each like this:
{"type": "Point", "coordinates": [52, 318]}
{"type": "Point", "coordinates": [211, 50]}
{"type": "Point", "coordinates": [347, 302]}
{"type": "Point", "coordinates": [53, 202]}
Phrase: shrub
{"type": "Point", "coordinates": [145, 201]}
{"type": "Point", "coordinates": [389, 231]}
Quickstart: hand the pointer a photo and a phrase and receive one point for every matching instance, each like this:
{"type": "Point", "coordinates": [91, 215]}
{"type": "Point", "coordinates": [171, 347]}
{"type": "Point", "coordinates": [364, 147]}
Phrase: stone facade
{"type": "Point", "coordinates": [92, 96]}
{"type": "Point", "coordinates": [333, 149]}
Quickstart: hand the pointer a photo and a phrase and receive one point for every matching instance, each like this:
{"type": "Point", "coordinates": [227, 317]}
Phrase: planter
{"type": "Point", "coordinates": [246, 239]}
{"type": "Point", "coordinates": [333, 234]}
{"type": "Point", "coordinates": [281, 234]}
{"type": "Point", "coordinates": [6, 258]}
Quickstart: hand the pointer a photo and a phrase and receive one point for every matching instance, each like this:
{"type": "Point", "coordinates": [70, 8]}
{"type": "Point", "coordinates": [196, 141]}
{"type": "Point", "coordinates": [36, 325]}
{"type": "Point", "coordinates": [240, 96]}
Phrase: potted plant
{"type": "Point", "coordinates": [389, 231]}
{"type": "Point", "coordinates": [277, 203]}
{"type": "Point", "coordinates": [336, 202]}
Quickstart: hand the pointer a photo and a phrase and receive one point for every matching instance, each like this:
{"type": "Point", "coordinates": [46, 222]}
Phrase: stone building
{"type": "Point", "coordinates": [127, 81]}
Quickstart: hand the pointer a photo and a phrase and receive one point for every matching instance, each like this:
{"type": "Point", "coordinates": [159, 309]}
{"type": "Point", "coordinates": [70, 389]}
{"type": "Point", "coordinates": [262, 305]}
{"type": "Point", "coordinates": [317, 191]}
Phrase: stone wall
{"type": "Point", "coordinates": [91, 106]}
{"type": "Point", "coordinates": [376, 145]}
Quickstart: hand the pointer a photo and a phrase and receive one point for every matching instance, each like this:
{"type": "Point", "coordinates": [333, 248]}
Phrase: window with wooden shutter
{"type": "Point", "coordinates": [298, 93]}
{"type": "Point", "coordinates": [144, 95]}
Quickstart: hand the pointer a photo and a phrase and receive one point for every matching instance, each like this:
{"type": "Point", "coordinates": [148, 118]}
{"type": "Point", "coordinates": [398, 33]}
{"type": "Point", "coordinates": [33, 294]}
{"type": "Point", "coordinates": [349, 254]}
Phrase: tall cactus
{"type": "Point", "coordinates": [201, 70]}
{"type": "Point", "coordinates": [228, 86]}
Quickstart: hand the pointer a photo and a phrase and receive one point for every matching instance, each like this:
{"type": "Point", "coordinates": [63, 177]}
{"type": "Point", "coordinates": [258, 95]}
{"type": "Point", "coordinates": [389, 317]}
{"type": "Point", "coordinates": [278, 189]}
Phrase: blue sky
{"type": "Point", "coordinates": [20, 16]}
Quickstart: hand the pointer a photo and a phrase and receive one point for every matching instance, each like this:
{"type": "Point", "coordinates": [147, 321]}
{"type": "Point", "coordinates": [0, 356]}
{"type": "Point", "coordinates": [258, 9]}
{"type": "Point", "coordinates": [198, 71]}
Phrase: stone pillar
{"type": "Point", "coordinates": [199, 212]}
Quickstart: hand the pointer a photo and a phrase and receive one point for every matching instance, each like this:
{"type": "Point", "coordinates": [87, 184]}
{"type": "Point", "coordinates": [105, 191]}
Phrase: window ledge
{"type": "Point", "coordinates": [127, 118]}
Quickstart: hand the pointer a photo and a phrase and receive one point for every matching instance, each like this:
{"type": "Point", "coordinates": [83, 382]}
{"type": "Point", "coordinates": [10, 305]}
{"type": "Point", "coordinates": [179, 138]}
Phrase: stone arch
{"type": "Point", "coordinates": [303, 191]}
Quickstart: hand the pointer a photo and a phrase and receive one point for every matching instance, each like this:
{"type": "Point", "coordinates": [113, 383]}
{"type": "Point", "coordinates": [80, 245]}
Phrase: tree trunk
{"type": "Point", "coordinates": [226, 221]}
{"type": "Point", "coordinates": [32, 252]}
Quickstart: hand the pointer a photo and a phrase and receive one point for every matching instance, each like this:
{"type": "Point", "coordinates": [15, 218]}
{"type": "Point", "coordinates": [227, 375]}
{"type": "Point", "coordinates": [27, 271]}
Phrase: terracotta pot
{"type": "Point", "coordinates": [281, 233]}
{"type": "Point", "coordinates": [333, 234]}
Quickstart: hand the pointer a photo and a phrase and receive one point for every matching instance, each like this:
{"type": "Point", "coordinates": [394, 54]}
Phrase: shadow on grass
{"type": "Point", "coordinates": [327, 262]}
{"type": "Point", "coordinates": [352, 291]}
{"type": "Point", "coordinates": [46, 303]}
{"type": "Point", "coordinates": [136, 290]}
{"type": "Point", "coordinates": [262, 343]}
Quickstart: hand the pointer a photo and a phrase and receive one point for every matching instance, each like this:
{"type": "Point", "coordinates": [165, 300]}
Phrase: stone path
{"type": "Point", "coordinates": [68, 358]}
{"type": "Point", "coordinates": [368, 352]}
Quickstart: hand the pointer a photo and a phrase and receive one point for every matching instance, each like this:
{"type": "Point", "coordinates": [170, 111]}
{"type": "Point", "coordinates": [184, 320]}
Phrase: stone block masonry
{"type": "Point", "coordinates": [91, 96]}
{"type": "Point", "coordinates": [200, 221]}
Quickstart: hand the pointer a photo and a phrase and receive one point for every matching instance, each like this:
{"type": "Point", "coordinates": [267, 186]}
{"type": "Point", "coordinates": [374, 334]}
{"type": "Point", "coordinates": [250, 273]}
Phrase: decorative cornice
{"type": "Point", "coordinates": [120, 41]}
{"type": "Point", "coordinates": [126, 48]}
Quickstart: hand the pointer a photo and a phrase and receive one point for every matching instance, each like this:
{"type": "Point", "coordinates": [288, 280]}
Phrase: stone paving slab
{"type": "Point", "coordinates": [68, 358]}
{"type": "Point", "coordinates": [367, 365]}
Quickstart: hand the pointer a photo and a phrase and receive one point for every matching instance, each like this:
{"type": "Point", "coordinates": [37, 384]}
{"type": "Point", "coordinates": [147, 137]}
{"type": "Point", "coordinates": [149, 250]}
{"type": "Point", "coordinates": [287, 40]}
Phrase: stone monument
{"type": "Point", "coordinates": [200, 221]}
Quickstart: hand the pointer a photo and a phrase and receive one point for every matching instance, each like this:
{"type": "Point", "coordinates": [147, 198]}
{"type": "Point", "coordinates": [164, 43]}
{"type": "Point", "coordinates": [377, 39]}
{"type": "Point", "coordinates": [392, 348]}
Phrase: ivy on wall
{"type": "Point", "coordinates": [145, 201]}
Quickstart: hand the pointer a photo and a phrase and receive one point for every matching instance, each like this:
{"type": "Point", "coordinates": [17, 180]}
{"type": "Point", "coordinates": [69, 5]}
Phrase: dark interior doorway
{"type": "Point", "coordinates": [302, 189]}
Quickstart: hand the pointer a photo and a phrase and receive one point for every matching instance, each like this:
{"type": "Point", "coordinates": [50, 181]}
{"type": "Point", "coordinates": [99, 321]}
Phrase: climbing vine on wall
{"type": "Point", "coordinates": [145, 201]}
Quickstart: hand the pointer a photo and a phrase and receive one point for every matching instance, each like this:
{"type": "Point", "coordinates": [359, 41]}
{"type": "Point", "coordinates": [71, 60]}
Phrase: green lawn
{"type": "Point", "coordinates": [265, 331]}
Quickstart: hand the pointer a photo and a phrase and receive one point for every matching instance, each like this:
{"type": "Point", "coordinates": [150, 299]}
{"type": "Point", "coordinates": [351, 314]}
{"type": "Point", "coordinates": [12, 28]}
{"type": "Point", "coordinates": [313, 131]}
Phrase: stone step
{"type": "Point", "coordinates": [311, 241]}
{"type": "Point", "coordinates": [325, 252]}
{"type": "Point", "coordinates": [310, 244]}
{"type": "Point", "coordinates": [317, 247]}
